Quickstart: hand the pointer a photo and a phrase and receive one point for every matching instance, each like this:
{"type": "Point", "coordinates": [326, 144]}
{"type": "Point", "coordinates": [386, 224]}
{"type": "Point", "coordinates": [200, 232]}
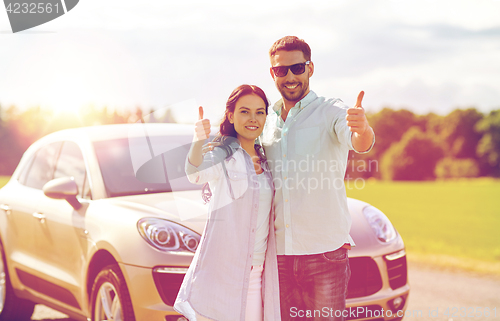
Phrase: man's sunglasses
{"type": "Point", "coordinates": [297, 69]}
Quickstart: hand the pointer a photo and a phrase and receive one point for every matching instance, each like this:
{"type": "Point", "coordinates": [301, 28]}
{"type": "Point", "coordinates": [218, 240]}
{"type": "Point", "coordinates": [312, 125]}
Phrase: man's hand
{"type": "Point", "coordinates": [356, 119]}
{"type": "Point", "coordinates": [202, 127]}
{"type": "Point", "coordinates": [362, 137]}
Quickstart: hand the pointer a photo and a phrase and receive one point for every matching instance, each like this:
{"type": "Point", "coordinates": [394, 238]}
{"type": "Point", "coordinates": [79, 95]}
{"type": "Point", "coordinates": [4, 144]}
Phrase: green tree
{"type": "Point", "coordinates": [450, 167]}
{"type": "Point", "coordinates": [458, 132]}
{"type": "Point", "coordinates": [488, 148]}
{"type": "Point", "coordinates": [414, 157]}
{"type": "Point", "coordinates": [389, 126]}
{"type": "Point", "coordinates": [19, 131]}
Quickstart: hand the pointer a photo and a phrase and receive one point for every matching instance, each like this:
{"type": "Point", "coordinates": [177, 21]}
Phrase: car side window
{"type": "Point", "coordinates": [71, 164]}
{"type": "Point", "coordinates": [24, 172]}
{"type": "Point", "coordinates": [42, 169]}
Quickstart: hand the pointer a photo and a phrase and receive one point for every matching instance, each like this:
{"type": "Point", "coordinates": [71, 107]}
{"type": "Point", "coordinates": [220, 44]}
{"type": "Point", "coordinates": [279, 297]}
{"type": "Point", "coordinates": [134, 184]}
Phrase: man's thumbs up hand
{"type": "Point", "coordinates": [356, 119]}
{"type": "Point", "coordinates": [360, 99]}
{"type": "Point", "coordinates": [202, 127]}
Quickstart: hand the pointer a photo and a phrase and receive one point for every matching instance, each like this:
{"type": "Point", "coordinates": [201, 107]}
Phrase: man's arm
{"type": "Point", "coordinates": [362, 134]}
{"type": "Point", "coordinates": [362, 143]}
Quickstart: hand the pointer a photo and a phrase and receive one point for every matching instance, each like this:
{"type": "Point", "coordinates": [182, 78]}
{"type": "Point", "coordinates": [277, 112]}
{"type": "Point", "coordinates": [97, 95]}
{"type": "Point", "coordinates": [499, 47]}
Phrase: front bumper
{"type": "Point", "coordinates": [146, 298]}
{"type": "Point", "coordinates": [153, 290]}
{"type": "Point", "coordinates": [386, 288]}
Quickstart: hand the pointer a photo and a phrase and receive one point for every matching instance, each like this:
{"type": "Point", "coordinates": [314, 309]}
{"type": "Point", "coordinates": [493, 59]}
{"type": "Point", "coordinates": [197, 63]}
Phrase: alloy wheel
{"type": "Point", "coordinates": [108, 306]}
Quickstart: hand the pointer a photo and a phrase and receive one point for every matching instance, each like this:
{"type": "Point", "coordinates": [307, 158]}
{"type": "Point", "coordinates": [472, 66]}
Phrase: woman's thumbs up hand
{"type": "Point", "coordinates": [202, 127]}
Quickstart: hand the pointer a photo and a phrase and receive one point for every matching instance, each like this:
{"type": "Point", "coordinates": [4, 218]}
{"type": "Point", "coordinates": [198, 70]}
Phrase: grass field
{"type": "Point", "coordinates": [447, 223]}
{"type": "Point", "coordinates": [4, 180]}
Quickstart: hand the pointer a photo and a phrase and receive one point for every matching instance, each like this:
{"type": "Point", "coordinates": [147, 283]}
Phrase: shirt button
{"type": "Point", "coordinates": [285, 177]}
{"type": "Point", "coordinates": [286, 200]}
{"type": "Point", "coordinates": [284, 155]}
{"type": "Point", "coordinates": [287, 225]}
{"type": "Point", "coordinates": [284, 134]}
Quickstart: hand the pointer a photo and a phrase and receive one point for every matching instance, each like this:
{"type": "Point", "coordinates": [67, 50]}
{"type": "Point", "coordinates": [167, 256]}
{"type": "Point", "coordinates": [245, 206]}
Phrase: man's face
{"type": "Point", "coordinates": [292, 87]}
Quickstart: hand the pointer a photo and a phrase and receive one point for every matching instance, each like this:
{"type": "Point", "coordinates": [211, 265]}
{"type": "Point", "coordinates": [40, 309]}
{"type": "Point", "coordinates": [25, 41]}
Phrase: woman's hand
{"type": "Point", "coordinates": [208, 147]}
{"type": "Point", "coordinates": [202, 127]}
{"type": "Point", "coordinates": [201, 132]}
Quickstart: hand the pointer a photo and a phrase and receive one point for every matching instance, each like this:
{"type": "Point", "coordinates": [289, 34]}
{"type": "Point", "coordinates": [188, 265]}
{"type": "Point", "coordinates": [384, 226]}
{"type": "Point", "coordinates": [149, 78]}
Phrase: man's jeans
{"type": "Point", "coordinates": [313, 287]}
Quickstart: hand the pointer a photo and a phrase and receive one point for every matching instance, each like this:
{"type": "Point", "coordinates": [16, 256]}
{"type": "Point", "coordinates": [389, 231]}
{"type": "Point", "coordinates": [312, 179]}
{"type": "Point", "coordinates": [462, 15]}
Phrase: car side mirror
{"type": "Point", "coordinates": [63, 188]}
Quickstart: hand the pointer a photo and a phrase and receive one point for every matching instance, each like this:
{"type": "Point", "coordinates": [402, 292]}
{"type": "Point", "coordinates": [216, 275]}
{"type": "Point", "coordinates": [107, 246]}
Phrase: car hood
{"type": "Point", "coordinates": [186, 207]}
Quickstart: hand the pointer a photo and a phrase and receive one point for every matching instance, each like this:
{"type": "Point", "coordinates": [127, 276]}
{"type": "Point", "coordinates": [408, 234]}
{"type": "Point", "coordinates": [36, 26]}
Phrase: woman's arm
{"type": "Point", "coordinates": [195, 156]}
{"type": "Point", "coordinates": [203, 167]}
{"type": "Point", "coordinates": [208, 169]}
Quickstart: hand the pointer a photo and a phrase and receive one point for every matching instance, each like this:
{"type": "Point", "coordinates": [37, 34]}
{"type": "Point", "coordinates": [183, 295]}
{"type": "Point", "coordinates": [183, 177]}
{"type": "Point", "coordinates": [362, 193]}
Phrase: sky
{"type": "Point", "coordinates": [425, 56]}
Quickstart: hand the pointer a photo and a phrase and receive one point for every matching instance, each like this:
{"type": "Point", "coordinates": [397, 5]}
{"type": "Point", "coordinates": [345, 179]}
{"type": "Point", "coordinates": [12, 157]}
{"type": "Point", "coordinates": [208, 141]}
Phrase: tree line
{"type": "Point", "coordinates": [464, 143]}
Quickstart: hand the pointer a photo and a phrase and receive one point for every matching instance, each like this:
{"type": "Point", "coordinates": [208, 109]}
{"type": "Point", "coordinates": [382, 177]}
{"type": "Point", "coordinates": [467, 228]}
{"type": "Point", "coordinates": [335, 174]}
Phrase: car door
{"type": "Point", "coordinates": [23, 215]}
{"type": "Point", "coordinates": [62, 237]}
{"type": "Point", "coordinates": [24, 218]}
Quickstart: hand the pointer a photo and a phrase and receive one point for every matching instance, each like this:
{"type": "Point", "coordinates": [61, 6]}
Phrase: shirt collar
{"type": "Point", "coordinates": [301, 104]}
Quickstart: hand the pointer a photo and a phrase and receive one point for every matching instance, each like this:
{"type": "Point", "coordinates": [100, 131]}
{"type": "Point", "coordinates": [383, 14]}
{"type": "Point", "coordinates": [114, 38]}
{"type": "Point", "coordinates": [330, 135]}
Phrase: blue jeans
{"type": "Point", "coordinates": [313, 287]}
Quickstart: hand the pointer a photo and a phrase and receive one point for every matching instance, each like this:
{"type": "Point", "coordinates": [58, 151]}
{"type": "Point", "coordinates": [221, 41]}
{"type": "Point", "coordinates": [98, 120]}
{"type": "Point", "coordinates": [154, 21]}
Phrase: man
{"type": "Point", "coordinates": [307, 139]}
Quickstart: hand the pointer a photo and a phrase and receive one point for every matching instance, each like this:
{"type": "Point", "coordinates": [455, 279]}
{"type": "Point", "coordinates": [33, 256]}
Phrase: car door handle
{"type": "Point", "coordinates": [39, 216]}
{"type": "Point", "coordinates": [6, 208]}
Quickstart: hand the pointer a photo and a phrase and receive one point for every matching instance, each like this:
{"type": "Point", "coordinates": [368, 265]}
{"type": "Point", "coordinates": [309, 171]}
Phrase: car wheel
{"type": "Point", "coordinates": [12, 308]}
{"type": "Point", "coordinates": [110, 297]}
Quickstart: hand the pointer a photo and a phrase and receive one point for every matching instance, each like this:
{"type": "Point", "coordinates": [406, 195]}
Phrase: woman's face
{"type": "Point", "coordinates": [249, 117]}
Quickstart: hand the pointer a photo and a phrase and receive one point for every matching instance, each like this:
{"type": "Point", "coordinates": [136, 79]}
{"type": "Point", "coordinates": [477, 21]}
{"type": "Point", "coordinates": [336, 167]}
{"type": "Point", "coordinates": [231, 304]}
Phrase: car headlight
{"type": "Point", "coordinates": [380, 224]}
{"type": "Point", "coordinates": [167, 236]}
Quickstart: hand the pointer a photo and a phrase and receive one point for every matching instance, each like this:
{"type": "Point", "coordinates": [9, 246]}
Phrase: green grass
{"type": "Point", "coordinates": [4, 180]}
{"type": "Point", "coordinates": [445, 222]}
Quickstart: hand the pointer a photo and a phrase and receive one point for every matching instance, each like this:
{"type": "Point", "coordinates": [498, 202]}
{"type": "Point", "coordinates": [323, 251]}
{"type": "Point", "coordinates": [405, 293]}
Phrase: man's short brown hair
{"type": "Point", "coordinates": [290, 43]}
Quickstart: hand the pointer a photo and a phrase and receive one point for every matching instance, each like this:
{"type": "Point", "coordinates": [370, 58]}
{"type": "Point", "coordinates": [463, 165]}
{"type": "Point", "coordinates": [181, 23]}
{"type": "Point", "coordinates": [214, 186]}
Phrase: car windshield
{"type": "Point", "coordinates": [142, 165]}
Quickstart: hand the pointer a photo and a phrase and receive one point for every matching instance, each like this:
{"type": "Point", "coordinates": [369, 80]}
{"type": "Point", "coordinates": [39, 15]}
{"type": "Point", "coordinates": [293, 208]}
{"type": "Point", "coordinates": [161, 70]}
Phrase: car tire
{"type": "Point", "coordinates": [12, 308]}
{"type": "Point", "coordinates": [110, 297]}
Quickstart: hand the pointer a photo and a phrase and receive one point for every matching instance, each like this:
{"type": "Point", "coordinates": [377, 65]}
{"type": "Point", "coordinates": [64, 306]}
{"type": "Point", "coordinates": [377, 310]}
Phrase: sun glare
{"type": "Point", "coordinates": [67, 96]}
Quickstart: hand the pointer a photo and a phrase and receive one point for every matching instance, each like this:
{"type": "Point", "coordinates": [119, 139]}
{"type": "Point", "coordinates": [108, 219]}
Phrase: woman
{"type": "Point", "coordinates": [233, 275]}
